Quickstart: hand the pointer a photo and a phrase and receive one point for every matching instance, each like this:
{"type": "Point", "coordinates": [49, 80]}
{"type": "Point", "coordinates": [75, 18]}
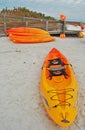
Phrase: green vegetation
{"type": "Point", "coordinates": [22, 11]}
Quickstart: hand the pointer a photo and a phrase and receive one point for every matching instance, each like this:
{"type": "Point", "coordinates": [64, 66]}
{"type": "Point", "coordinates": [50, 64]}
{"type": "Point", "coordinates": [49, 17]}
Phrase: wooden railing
{"type": "Point", "coordinates": [8, 21]}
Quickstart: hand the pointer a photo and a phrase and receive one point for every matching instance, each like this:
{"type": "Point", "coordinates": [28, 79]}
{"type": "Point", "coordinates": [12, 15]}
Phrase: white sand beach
{"type": "Point", "coordinates": [20, 69]}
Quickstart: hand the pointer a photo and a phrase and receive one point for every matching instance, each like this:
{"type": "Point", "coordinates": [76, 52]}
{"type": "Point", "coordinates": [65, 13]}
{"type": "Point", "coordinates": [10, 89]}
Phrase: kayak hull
{"type": "Point", "coordinates": [31, 38]}
{"type": "Point", "coordinates": [59, 93]}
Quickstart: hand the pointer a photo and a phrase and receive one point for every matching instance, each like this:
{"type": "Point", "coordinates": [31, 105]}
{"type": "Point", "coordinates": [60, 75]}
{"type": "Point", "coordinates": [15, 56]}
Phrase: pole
{"type": "Point", "coordinates": [63, 19]}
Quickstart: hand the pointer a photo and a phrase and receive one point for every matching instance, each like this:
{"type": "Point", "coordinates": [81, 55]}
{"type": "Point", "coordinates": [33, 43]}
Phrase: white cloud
{"type": "Point", "coordinates": [74, 1]}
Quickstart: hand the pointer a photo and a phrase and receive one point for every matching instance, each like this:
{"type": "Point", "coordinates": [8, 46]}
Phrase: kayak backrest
{"type": "Point", "coordinates": [57, 69]}
{"type": "Point", "coordinates": [56, 61]}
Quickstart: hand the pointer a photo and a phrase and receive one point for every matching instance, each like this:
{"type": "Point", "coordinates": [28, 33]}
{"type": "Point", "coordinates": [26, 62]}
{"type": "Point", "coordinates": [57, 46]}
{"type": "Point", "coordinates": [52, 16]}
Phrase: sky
{"type": "Point", "coordinates": [73, 9]}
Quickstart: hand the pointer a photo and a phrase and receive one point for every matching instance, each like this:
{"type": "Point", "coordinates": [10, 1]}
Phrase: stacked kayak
{"type": "Point", "coordinates": [59, 88]}
{"type": "Point", "coordinates": [28, 35]}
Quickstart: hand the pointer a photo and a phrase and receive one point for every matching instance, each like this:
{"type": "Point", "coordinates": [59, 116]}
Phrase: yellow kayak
{"type": "Point", "coordinates": [59, 89]}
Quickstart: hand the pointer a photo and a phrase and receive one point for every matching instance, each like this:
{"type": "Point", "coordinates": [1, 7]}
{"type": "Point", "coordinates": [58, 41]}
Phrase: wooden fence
{"type": "Point", "coordinates": [8, 21]}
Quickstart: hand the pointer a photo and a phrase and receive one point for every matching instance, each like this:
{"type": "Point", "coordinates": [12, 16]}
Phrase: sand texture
{"type": "Point", "coordinates": [20, 69]}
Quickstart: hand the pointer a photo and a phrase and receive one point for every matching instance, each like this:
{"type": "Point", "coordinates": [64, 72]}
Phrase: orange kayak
{"type": "Point", "coordinates": [29, 35]}
{"type": "Point", "coordinates": [59, 89]}
{"type": "Point", "coordinates": [31, 38]}
{"type": "Point", "coordinates": [25, 30]}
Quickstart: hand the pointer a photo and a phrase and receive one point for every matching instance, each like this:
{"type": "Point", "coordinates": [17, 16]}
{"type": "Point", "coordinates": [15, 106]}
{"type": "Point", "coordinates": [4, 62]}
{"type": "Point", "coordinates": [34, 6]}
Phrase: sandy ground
{"type": "Point", "coordinates": [20, 68]}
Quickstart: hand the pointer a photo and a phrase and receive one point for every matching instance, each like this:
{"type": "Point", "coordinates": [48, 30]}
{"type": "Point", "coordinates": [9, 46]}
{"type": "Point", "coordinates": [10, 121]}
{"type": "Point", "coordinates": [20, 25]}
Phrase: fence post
{"type": "Point", "coordinates": [4, 18]}
{"type": "Point", "coordinates": [26, 23]}
{"type": "Point", "coordinates": [46, 25]}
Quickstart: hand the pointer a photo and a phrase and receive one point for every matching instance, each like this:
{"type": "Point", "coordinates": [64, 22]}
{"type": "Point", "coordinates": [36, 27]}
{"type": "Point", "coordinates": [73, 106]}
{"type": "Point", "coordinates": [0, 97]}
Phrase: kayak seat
{"type": "Point", "coordinates": [58, 71]}
{"type": "Point", "coordinates": [56, 61]}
